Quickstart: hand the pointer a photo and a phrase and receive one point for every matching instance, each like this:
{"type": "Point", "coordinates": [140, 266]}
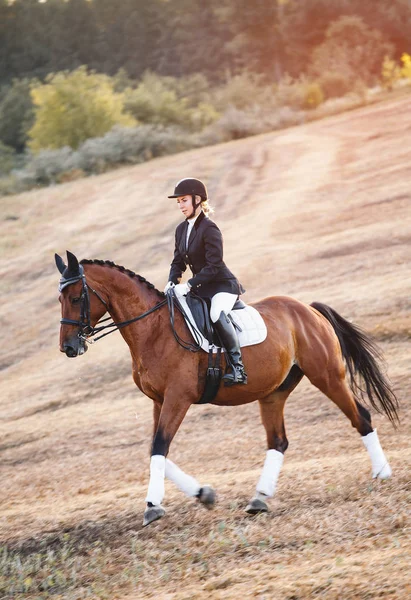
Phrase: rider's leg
{"type": "Point", "coordinates": [221, 304]}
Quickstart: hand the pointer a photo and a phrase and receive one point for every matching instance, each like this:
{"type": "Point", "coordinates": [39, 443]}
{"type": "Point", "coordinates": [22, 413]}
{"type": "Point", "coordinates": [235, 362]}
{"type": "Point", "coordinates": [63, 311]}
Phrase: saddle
{"type": "Point", "coordinates": [200, 309]}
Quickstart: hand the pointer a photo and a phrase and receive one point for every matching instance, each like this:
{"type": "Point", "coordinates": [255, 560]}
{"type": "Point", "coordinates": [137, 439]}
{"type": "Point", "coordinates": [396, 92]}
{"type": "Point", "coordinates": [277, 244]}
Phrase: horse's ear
{"type": "Point", "coordinates": [60, 263]}
{"type": "Point", "coordinates": [73, 265]}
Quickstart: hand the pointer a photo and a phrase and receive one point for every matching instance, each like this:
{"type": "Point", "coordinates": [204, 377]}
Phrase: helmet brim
{"type": "Point", "coordinates": [180, 195]}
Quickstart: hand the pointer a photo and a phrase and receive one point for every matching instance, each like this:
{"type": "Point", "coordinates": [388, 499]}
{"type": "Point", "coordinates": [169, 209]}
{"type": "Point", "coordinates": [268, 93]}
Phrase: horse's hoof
{"type": "Point", "coordinates": [153, 513]}
{"type": "Point", "coordinates": [207, 496]}
{"type": "Point", "coordinates": [256, 506]}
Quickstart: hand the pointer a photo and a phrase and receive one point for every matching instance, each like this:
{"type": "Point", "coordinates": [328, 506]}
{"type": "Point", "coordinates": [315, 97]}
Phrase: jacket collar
{"type": "Point", "coordinates": [193, 232]}
{"type": "Point", "coordinates": [198, 220]}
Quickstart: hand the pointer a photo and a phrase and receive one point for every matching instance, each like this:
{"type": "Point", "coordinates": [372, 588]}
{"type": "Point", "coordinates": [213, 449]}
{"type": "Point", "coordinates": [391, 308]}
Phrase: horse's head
{"type": "Point", "coordinates": [80, 312]}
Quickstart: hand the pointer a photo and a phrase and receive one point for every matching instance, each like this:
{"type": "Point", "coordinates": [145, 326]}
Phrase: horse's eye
{"type": "Point", "coordinates": [75, 300]}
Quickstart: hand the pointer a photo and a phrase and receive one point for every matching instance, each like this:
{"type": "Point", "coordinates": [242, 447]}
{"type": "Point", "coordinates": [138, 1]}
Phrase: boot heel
{"type": "Point", "coordinates": [235, 380]}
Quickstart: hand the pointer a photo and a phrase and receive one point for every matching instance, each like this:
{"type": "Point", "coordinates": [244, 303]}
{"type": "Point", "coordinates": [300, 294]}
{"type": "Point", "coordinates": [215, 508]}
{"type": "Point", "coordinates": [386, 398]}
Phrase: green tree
{"type": "Point", "coordinates": [72, 107]}
{"type": "Point", "coordinates": [352, 48]}
{"type": "Point", "coordinates": [257, 29]}
{"type": "Point", "coordinates": [154, 102]}
{"type": "Point", "coordinates": [16, 114]}
{"type": "Point", "coordinates": [161, 101]}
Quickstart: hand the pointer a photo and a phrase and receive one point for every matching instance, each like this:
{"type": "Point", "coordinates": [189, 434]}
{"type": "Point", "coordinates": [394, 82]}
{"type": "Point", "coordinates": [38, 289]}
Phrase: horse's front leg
{"type": "Point", "coordinates": [167, 419]}
{"type": "Point", "coordinates": [189, 485]}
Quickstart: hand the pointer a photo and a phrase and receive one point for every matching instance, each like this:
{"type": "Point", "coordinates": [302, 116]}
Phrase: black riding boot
{"type": "Point", "coordinates": [229, 340]}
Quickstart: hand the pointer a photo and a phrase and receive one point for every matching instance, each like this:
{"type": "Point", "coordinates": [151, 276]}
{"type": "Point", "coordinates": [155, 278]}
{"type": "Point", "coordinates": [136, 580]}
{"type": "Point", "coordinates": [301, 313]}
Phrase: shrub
{"type": "Point", "coordinates": [335, 106]}
{"type": "Point", "coordinates": [8, 159]}
{"type": "Point", "coordinates": [46, 166]}
{"type": "Point", "coordinates": [122, 145]}
{"type": "Point", "coordinates": [390, 73]}
{"type": "Point", "coordinates": [154, 102]}
{"type": "Point", "coordinates": [161, 101]}
{"type": "Point", "coordinates": [194, 88]}
{"type": "Point", "coordinates": [300, 94]}
{"type": "Point", "coordinates": [129, 146]}
{"type": "Point", "coordinates": [72, 107]}
{"type": "Point", "coordinates": [71, 175]}
{"type": "Point", "coordinates": [406, 66]}
{"type": "Point", "coordinates": [291, 93]}
{"type": "Point", "coordinates": [241, 92]}
{"type": "Point", "coordinates": [334, 84]}
{"type": "Point", "coordinates": [121, 81]}
{"type": "Point", "coordinates": [11, 184]}
{"type": "Point", "coordinates": [313, 95]}
{"type": "Point", "coordinates": [236, 124]}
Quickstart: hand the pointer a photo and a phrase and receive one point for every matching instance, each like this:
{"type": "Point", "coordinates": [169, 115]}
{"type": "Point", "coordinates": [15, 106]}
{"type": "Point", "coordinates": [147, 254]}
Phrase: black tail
{"type": "Point", "coordinates": [361, 355]}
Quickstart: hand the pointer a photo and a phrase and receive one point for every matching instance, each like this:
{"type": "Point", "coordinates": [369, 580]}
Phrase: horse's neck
{"type": "Point", "coordinates": [130, 298]}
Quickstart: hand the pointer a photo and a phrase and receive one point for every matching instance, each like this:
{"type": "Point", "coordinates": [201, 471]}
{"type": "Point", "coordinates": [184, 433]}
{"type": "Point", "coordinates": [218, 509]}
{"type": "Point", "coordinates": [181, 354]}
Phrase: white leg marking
{"type": "Point", "coordinates": [380, 466]}
{"type": "Point", "coordinates": [155, 492]}
{"type": "Point", "coordinates": [271, 470]}
{"type": "Point", "coordinates": [184, 482]}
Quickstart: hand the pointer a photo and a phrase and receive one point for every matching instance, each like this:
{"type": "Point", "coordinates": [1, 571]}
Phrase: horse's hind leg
{"type": "Point", "coordinates": [332, 382]}
{"type": "Point", "coordinates": [272, 416]}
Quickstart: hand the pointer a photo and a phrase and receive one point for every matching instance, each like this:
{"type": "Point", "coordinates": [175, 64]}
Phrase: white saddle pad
{"type": "Point", "coordinates": [254, 330]}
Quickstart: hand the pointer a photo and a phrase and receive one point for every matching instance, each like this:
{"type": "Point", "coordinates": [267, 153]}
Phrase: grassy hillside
{"type": "Point", "coordinates": [318, 212]}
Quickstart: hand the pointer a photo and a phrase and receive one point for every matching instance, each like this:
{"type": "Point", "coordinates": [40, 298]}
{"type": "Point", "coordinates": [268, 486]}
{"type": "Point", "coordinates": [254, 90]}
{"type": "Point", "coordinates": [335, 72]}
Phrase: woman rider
{"type": "Point", "coordinates": [199, 244]}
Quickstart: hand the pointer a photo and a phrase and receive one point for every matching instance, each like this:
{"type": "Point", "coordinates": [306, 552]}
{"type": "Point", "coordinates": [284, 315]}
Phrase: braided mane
{"type": "Point", "coordinates": [109, 263]}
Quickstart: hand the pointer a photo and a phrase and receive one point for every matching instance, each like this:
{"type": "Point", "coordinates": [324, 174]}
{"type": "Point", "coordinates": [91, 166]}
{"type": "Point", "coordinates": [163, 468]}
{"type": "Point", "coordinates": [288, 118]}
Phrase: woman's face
{"type": "Point", "coordinates": [185, 204]}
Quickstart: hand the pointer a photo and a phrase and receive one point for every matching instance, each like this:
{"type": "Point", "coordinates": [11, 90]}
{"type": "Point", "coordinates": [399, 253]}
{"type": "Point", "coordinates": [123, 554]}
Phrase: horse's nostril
{"type": "Point", "coordinates": [70, 352]}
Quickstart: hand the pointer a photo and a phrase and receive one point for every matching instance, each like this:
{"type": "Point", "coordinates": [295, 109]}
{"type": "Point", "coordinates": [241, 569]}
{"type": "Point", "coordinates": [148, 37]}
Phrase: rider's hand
{"type": "Point", "coordinates": [169, 285]}
{"type": "Point", "coordinates": [182, 289]}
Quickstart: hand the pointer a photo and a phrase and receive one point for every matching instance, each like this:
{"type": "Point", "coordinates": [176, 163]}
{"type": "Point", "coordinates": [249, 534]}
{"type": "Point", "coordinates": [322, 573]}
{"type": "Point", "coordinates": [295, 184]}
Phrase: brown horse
{"type": "Point", "coordinates": [302, 340]}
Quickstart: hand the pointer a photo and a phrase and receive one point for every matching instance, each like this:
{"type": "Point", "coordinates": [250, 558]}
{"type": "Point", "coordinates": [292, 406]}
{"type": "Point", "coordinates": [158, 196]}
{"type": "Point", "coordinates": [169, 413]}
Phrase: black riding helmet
{"type": "Point", "coordinates": [190, 187]}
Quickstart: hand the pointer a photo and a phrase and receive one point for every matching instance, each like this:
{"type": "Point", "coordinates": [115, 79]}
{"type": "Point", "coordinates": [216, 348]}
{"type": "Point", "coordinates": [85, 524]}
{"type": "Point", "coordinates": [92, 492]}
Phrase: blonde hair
{"type": "Point", "coordinates": [206, 207]}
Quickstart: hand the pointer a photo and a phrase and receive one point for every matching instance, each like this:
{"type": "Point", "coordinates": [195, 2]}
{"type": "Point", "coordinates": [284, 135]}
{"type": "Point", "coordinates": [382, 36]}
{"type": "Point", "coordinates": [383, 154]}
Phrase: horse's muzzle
{"type": "Point", "coordinates": [74, 349]}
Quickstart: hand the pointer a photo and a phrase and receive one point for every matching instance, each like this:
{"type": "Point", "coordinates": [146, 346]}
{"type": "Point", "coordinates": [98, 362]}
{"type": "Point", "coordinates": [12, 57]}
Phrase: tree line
{"type": "Point", "coordinates": [218, 38]}
{"type": "Point", "coordinates": [86, 85]}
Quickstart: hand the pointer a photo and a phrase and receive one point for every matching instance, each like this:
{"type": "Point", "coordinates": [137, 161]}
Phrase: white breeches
{"type": "Point", "coordinates": [223, 301]}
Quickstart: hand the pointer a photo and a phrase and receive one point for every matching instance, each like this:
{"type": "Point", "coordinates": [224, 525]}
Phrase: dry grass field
{"type": "Point", "coordinates": [318, 212]}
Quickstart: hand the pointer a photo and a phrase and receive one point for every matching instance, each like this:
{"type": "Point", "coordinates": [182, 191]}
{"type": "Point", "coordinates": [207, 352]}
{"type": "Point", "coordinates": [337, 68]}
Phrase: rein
{"type": "Point", "coordinates": [171, 301]}
{"type": "Point", "coordinates": [87, 332]}
{"type": "Point", "coordinates": [116, 326]}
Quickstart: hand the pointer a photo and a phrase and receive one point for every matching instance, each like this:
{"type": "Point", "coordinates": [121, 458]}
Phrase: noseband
{"type": "Point", "coordinates": [86, 331]}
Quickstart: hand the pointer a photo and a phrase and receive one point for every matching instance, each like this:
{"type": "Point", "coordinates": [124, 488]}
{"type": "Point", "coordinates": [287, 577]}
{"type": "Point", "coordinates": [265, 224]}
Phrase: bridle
{"type": "Point", "coordinates": [84, 324]}
{"type": "Point", "coordinates": [86, 332]}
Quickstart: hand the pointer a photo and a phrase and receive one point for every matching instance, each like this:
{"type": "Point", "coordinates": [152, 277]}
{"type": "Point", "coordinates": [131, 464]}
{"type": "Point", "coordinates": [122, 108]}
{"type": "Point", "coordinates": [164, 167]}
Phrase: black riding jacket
{"type": "Point", "coordinates": [204, 256]}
